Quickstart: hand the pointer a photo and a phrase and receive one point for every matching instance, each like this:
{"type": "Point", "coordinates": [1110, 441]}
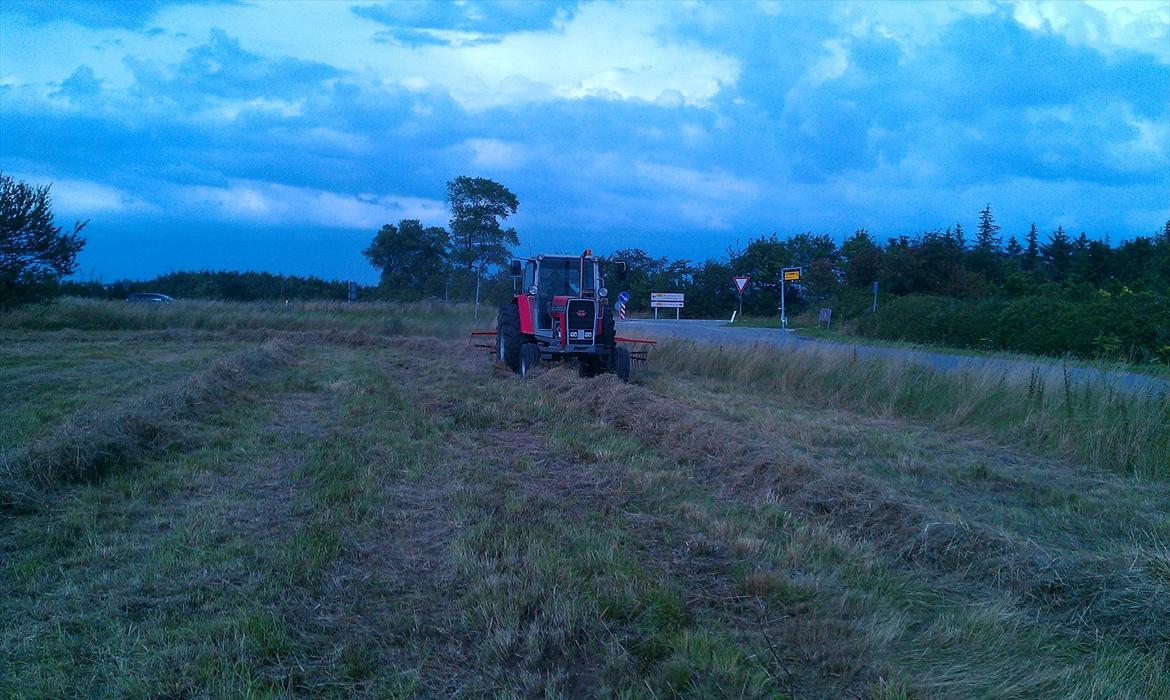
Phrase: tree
{"type": "Point", "coordinates": [1057, 254]}
{"type": "Point", "coordinates": [412, 259]}
{"type": "Point", "coordinates": [1013, 249]}
{"type": "Point", "coordinates": [987, 240]}
{"type": "Point", "coordinates": [1032, 251]}
{"type": "Point", "coordinates": [862, 259]}
{"type": "Point", "coordinates": [984, 256]}
{"type": "Point", "coordinates": [34, 252]}
{"type": "Point", "coordinates": [477, 239]}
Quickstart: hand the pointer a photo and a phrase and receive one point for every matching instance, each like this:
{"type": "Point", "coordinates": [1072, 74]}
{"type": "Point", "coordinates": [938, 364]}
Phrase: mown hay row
{"type": "Point", "coordinates": [92, 443]}
{"type": "Point", "coordinates": [1082, 594]}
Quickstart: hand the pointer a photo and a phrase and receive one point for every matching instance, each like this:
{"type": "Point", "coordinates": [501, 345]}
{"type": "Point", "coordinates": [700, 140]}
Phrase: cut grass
{"type": "Point", "coordinates": [1092, 423]}
{"type": "Point", "coordinates": [393, 519]}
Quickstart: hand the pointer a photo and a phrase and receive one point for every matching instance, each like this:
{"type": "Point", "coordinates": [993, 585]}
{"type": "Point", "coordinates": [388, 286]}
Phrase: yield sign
{"type": "Point", "coordinates": [741, 282]}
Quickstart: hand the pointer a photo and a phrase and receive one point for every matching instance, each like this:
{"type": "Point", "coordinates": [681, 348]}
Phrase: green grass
{"type": "Point", "coordinates": [1092, 423]}
{"type": "Point", "coordinates": [808, 327]}
{"type": "Point", "coordinates": [379, 318]}
{"type": "Point", "coordinates": [393, 516]}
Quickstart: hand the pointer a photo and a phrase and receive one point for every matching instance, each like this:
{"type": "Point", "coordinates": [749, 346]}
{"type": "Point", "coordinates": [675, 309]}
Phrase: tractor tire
{"type": "Point", "coordinates": [508, 338]}
{"type": "Point", "coordinates": [529, 358]}
{"type": "Point", "coordinates": [608, 329]}
{"type": "Point", "coordinates": [619, 362]}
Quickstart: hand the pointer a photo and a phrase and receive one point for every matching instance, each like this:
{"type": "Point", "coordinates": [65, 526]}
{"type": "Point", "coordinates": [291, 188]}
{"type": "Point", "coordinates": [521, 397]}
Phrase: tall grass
{"type": "Point", "coordinates": [1091, 422]}
{"type": "Point", "coordinates": [389, 318]}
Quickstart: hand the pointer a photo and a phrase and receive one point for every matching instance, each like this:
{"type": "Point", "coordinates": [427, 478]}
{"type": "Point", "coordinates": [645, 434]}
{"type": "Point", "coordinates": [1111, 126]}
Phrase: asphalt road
{"type": "Point", "coordinates": [720, 333]}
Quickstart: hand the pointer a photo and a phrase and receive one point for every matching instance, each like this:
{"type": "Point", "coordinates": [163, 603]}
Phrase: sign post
{"type": "Point", "coordinates": [740, 282]}
{"type": "Point", "coordinates": [788, 274]}
{"type": "Point", "coordinates": [623, 299]}
{"type": "Point", "coordinates": [666, 300]}
{"type": "Point", "coordinates": [875, 296]}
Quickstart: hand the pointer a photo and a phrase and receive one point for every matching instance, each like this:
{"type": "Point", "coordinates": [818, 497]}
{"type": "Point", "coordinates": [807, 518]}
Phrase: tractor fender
{"type": "Point", "coordinates": [526, 304]}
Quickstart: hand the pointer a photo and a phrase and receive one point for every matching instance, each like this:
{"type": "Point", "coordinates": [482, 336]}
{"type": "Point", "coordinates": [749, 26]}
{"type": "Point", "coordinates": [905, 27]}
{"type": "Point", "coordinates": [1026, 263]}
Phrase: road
{"type": "Point", "coordinates": [720, 333]}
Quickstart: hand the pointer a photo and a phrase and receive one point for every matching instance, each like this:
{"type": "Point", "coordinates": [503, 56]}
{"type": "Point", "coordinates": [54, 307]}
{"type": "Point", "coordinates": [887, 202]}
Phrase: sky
{"type": "Point", "coordinates": [281, 136]}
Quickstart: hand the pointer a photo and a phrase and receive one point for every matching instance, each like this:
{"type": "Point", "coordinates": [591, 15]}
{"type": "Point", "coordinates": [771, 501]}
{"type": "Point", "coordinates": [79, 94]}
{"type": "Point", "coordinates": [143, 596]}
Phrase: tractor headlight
{"type": "Point", "coordinates": [603, 292]}
{"type": "Point", "coordinates": [532, 290]}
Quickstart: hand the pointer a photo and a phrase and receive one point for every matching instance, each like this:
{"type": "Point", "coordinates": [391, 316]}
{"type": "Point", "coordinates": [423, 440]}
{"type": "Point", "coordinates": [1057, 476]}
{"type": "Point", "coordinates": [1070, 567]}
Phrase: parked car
{"type": "Point", "coordinates": [149, 298]}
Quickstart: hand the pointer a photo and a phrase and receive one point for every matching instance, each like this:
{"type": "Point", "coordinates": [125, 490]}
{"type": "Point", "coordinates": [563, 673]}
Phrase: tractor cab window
{"type": "Point", "coordinates": [558, 277]}
{"type": "Point", "coordinates": [529, 275]}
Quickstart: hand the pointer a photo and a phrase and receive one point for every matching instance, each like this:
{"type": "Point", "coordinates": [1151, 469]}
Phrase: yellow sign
{"type": "Point", "coordinates": [791, 275]}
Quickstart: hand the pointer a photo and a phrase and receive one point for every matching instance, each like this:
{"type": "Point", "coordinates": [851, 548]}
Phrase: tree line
{"type": "Point", "coordinates": [1049, 293]}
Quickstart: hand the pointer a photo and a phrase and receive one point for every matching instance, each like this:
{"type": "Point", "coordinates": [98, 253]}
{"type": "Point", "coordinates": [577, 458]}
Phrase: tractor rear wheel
{"type": "Point", "coordinates": [608, 330]}
{"type": "Point", "coordinates": [619, 362]}
{"type": "Point", "coordinates": [529, 358]}
{"type": "Point", "coordinates": [508, 338]}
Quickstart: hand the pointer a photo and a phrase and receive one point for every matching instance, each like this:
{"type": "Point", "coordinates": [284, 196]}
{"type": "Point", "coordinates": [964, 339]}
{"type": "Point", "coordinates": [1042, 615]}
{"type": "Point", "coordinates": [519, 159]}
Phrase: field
{"type": "Point", "coordinates": [248, 500]}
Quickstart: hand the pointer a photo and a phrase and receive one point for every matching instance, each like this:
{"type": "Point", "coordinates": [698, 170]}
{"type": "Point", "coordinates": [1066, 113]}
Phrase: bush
{"type": "Point", "coordinates": [1089, 324]}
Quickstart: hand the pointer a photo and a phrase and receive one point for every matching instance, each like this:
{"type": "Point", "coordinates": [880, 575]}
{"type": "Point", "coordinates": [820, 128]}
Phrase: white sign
{"type": "Point", "coordinates": [667, 304]}
{"type": "Point", "coordinates": [666, 296]}
{"type": "Point", "coordinates": [740, 283]}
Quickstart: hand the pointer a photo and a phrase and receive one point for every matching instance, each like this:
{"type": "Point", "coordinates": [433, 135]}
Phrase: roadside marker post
{"type": "Point", "coordinates": [740, 282]}
{"type": "Point", "coordinates": [623, 299]}
{"type": "Point", "coordinates": [788, 274]}
{"type": "Point", "coordinates": [875, 296]}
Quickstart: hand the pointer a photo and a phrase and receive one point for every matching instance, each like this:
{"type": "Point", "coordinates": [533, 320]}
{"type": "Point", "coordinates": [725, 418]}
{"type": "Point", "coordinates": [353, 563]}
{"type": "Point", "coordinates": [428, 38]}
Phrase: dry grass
{"type": "Point", "coordinates": [89, 444]}
{"type": "Point", "coordinates": [381, 517]}
{"type": "Point", "coordinates": [1094, 597]}
{"type": "Point", "coordinates": [1090, 422]}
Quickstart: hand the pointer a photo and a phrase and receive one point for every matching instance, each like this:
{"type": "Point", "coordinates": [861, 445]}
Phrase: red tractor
{"type": "Point", "coordinates": [560, 313]}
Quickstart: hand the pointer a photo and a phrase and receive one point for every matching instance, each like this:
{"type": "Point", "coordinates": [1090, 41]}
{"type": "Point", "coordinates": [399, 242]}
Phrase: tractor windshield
{"type": "Point", "coordinates": [560, 277]}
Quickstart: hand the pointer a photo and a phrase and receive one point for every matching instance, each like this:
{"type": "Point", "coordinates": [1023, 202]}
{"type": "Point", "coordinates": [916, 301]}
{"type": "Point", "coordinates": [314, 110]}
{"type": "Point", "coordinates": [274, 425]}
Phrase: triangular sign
{"type": "Point", "coordinates": [741, 282]}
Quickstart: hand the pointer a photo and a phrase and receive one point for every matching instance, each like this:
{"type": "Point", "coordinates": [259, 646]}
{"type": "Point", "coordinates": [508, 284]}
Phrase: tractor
{"type": "Point", "coordinates": [560, 313]}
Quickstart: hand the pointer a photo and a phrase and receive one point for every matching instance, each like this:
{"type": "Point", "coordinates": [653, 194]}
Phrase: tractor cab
{"type": "Point", "coordinates": [560, 312]}
{"type": "Point", "coordinates": [552, 281]}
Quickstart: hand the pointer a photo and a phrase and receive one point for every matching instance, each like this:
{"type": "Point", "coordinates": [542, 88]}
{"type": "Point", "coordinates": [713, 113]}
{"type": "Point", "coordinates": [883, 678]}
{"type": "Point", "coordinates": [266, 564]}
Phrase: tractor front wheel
{"type": "Point", "coordinates": [619, 362]}
{"type": "Point", "coordinates": [508, 338]}
{"type": "Point", "coordinates": [529, 358]}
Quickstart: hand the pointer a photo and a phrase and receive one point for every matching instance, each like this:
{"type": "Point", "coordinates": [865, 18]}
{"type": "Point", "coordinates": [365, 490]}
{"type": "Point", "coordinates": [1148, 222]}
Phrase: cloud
{"type": "Point", "coordinates": [86, 198]}
{"type": "Point", "coordinates": [1109, 26]}
{"type": "Point", "coordinates": [495, 154]}
{"type": "Point", "coordinates": [81, 84]}
{"type": "Point", "coordinates": [273, 204]}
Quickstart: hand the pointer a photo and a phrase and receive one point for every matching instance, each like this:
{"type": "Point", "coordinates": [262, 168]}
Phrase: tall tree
{"type": "Point", "coordinates": [411, 259]}
{"type": "Point", "coordinates": [478, 205]}
{"type": "Point", "coordinates": [35, 253]}
{"type": "Point", "coordinates": [1032, 250]}
{"type": "Point", "coordinates": [1013, 249]}
{"type": "Point", "coordinates": [862, 259]}
{"type": "Point", "coordinates": [1057, 254]}
{"type": "Point", "coordinates": [987, 240]}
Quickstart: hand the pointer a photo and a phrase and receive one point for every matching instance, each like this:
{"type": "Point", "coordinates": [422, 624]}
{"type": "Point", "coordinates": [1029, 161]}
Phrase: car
{"type": "Point", "coordinates": [149, 298]}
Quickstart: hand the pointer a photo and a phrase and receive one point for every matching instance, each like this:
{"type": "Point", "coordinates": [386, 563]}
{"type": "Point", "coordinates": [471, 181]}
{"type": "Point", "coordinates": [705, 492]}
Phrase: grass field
{"type": "Point", "coordinates": [218, 500]}
{"type": "Point", "coordinates": [842, 332]}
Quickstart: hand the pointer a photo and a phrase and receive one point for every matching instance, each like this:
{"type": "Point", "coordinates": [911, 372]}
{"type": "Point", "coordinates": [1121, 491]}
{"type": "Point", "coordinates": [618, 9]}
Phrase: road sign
{"type": "Point", "coordinates": [740, 282]}
{"type": "Point", "coordinates": [624, 297]}
{"type": "Point", "coordinates": [788, 274]}
{"type": "Point", "coordinates": [667, 300]}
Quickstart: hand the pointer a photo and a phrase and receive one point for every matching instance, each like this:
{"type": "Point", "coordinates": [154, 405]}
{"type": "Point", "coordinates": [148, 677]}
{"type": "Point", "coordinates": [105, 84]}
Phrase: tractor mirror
{"type": "Point", "coordinates": [517, 270]}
